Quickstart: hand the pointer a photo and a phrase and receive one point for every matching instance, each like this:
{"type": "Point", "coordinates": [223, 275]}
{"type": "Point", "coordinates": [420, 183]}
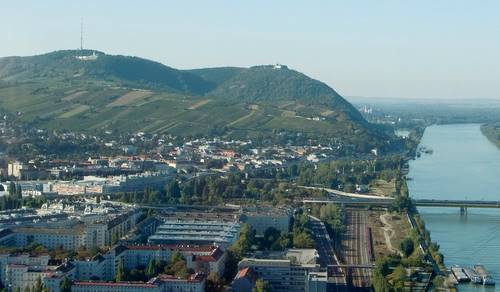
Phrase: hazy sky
{"type": "Point", "coordinates": [413, 49]}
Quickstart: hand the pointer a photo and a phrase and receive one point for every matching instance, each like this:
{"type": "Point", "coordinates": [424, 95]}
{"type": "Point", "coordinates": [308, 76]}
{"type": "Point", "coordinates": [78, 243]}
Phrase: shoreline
{"type": "Point", "coordinates": [492, 133]}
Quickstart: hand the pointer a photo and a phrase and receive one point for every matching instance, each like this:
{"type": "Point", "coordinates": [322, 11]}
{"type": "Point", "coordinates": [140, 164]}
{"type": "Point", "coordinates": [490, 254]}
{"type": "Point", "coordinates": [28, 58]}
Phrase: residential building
{"type": "Point", "coordinates": [166, 283]}
{"type": "Point", "coordinates": [14, 168]}
{"type": "Point", "coordinates": [56, 230]}
{"type": "Point", "coordinates": [284, 271]}
{"type": "Point", "coordinates": [101, 232]}
{"type": "Point", "coordinates": [262, 218]}
{"type": "Point", "coordinates": [69, 238]}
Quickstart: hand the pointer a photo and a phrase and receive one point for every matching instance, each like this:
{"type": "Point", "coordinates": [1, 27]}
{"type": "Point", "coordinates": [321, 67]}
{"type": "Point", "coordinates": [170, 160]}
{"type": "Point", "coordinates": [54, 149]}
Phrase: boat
{"type": "Point", "coordinates": [485, 276]}
{"type": "Point", "coordinates": [488, 280]}
{"type": "Point", "coordinates": [459, 274]}
{"type": "Point", "coordinates": [473, 276]}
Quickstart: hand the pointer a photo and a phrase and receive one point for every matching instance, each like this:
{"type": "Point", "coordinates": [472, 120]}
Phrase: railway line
{"type": "Point", "coordinates": [357, 247]}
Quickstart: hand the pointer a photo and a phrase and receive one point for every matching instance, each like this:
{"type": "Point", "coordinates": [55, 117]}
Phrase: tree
{"type": "Point", "coordinates": [180, 269]}
{"type": "Point", "coordinates": [176, 257]}
{"type": "Point", "coordinates": [302, 239]}
{"type": "Point", "coordinates": [214, 282]}
{"type": "Point", "coordinates": [38, 285]}
{"type": "Point", "coordinates": [246, 240]}
{"type": "Point", "coordinates": [261, 286]}
{"type": "Point", "coordinates": [177, 266]}
{"type": "Point", "coordinates": [19, 192]}
{"type": "Point", "coordinates": [231, 266]}
{"type": "Point", "coordinates": [380, 283]}
{"type": "Point", "coordinates": [407, 246]}
{"type": "Point", "coordinates": [399, 278]}
{"type": "Point", "coordinates": [285, 241]}
{"type": "Point", "coordinates": [66, 284]}
{"type": "Point", "coordinates": [151, 269]}
{"type": "Point", "coordinates": [173, 189]}
{"type": "Point", "coordinates": [271, 235]}
{"type": "Point", "coordinates": [12, 188]}
{"type": "Point", "coordinates": [121, 273]}
{"type": "Point", "coordinates": [114, 238]}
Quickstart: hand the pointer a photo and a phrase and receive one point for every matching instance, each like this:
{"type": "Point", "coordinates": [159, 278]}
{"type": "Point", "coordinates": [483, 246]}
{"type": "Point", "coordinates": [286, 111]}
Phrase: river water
{"type": "Point", "coordinates": [463, 165]}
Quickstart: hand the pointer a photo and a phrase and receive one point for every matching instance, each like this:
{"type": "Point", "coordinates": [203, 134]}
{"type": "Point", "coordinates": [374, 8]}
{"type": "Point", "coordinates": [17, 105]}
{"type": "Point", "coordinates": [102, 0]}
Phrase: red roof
{"type": "Point", "coordinates": [246, 273]}
{"type": "Point", "coordinates": [213, 257]}
{"type": "Point", "coordinates": [169, 278]}
{"type": "Point", "coordinates": [118, 284]}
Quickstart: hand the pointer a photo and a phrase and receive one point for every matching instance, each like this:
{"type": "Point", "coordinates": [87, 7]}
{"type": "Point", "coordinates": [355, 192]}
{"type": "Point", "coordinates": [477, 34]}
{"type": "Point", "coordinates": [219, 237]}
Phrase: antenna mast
{"type": "Point", "coordinates": [81, 35]}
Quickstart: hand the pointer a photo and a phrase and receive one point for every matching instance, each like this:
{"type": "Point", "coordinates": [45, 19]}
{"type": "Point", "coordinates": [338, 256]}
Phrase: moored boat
{"type": "Point", "coordinates": [459, 274]}
{"type": "Point", "coordinates": [473, 276]}
{"type": "Point", "coordinates": [485, 276]}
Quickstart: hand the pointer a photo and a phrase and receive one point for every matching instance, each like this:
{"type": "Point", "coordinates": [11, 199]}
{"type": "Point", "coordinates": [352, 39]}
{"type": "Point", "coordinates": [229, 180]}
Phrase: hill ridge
{"type": "Point", "coordinates": [57, 90]}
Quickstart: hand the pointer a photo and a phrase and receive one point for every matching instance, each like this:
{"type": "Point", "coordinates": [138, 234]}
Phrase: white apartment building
{"type": "Point", "coordinates": [69, 238]}
{"type": "Point", "coordinates": [21, 260]}
{"type": "Point", "coordinates": [262, 218]}
{"type": "Point", "coordinates": [284, 271]}
{"type": "Point", "coordinates": [23, 276]}
{"type": "Point", "coordinates": [95, 232]}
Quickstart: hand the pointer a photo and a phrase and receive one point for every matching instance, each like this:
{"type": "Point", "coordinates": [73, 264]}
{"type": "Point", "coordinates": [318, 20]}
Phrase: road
{"type": "Point", "coordinates": [355, 246]}
{"type": "Point", "coordinates": [345, 194]}
{"type": "Point", "coordinates": [327, 257]}
{"type": "Point", "coordinates": [324, 244]}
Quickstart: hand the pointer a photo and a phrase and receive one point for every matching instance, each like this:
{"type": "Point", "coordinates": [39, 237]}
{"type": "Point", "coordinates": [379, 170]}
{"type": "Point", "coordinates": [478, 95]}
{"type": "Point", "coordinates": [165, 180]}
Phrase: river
{"type": "Point", "coordinates": [463, 165]}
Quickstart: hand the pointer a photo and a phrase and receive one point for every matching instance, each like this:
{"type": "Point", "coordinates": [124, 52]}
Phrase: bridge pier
{"type": "Point", "coordinates": [463, 210]}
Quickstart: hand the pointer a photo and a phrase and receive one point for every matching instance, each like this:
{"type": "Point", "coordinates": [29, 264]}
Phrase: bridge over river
{"type": "Point", "coordinates": [387, 202]}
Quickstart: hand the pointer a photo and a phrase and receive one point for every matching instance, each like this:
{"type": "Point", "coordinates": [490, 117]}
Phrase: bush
{"type": "Point", "coordinates": [407, 247]}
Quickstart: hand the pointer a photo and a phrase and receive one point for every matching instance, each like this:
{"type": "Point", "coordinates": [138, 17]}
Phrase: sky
{"type": "Point", "coordinates": [447, 49]}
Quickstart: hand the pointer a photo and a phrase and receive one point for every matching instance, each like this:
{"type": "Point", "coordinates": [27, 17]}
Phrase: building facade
{"type": "Point", "coordinates": [284, 271]}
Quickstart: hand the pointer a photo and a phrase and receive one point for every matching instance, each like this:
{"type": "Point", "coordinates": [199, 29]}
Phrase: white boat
{"type": "Point", "coordinates": [473, 276]}
{"type": "Point", "coordinates": [488, 280]}
{"type": "Point", "coordinates": [481, 271]}
{"type": "Point", "coordinates": [459, 274]}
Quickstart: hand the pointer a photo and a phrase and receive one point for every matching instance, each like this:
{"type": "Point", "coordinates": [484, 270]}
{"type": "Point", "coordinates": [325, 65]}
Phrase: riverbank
{"type": "Point", "coordinates": [464, 165]}
{"type": "Point", "coordinates": [492, 132]}
{"type": "Point", "coordinates": [421, 235]}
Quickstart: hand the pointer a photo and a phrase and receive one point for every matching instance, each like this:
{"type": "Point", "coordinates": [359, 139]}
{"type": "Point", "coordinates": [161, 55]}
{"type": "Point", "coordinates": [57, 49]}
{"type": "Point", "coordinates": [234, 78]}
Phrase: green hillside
{"type": "Point", "coordinates": [59, 91]}
{"type": "Point", "coordinates": [130, 71]}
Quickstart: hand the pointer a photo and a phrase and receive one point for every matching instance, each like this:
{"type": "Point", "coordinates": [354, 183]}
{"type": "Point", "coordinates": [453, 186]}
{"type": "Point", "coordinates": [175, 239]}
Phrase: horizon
{"type": "Point", "coordinates": [419, 50]}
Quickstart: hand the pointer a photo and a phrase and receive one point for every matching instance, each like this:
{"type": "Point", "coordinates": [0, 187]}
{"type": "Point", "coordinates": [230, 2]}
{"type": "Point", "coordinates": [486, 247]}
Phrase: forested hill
{"type": "Point", "coordinates": [92, 91]}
